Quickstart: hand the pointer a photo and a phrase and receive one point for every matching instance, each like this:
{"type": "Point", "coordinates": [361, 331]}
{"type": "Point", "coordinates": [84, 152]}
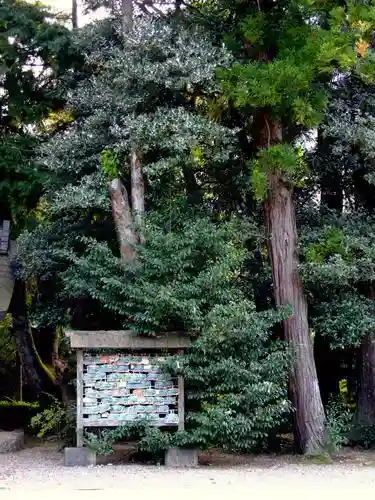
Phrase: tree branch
{"type": "Point", "coordinates": [149, 3]}
{"type": "Point", "coordinates": [123, 220]}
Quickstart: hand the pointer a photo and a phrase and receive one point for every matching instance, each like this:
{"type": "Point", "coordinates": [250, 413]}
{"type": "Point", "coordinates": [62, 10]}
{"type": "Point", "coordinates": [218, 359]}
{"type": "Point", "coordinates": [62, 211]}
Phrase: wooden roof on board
{"type": "Point", "coordinates": [126, 339]}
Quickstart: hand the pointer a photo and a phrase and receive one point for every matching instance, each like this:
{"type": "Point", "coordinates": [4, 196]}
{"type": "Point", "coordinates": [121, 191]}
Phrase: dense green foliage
{"type": "Point", "coordinates": [236, 382]}
{"type": "Point", "coordinates": [196, 93]}
{"type": "Point", "coordinates": [56, 421]}
{"type": "Point", "coordinates": [35, 54]}
{"type": "Point", "coordinates": [238, 377]}
{"type": "Point", "coordinates": [17, 414]}
{"type": "Point", "coordinates": [339, 261]}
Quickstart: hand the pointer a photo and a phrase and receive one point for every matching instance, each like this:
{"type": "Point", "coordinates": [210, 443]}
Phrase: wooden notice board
{"type": "Point", "coordinates": [121, 388]}
{"type": "Point", "coordinates": [125, 382]}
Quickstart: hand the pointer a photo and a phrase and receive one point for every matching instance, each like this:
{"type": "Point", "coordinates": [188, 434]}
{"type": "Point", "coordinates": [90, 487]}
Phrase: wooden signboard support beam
{"type": "Point", "coordinates": [181, 400]}
{"type": "Point", "coordinates": [79, 398]}
{"type": "Point", "coordinates": [181, 403]}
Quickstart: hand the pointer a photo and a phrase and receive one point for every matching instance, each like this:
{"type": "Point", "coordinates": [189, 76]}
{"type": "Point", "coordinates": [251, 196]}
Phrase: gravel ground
{"type": "Point", "coordinates": [38, 473]}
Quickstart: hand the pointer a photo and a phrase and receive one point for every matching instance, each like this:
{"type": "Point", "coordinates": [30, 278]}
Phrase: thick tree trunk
{"type": "Point", "coordinates": [123, 220]}
{"type": "Point", "coordinates": [366, 392]}
{"type": "Point", "coordinates": [20, 327]}
{"type": "Point", "coordinates": [309, 418]}
{"type": "Point", "coordinates": [303, 387]}
{"type": "Point", "coordinates": [366, 396]}
{"type": "Point", "coordinates": [74, 14]}
{"type": "Point", "coordinates": [137, 181]}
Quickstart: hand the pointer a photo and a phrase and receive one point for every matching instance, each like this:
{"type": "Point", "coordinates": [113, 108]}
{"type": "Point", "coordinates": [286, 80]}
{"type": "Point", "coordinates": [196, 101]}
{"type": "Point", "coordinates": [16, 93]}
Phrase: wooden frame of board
{"type": "Point", "coordinates": [125, 342]}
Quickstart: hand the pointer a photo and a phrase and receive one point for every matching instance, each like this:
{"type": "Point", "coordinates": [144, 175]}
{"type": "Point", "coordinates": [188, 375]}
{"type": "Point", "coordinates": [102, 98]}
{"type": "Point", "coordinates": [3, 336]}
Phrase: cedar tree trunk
{"type": "Point", "coordinates": [309, 418]}
{"type": "Point", "coordinates": [127, 16]}
{"type": "Point", "coordinates": [366, 399]}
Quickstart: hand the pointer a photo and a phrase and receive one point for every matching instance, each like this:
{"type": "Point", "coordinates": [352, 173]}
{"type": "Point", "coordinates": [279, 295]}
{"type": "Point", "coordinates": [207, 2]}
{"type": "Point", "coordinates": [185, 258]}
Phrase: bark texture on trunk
{"type": "Point", "coordinates": [137, 192]}
{"type": "Point", "coordinates": [74, 14]}
{"type": "Point", "coordinates": [128, 220]}
{"type": "Point", "coordinates": [21, 332]}
{"type": "Point", "coordinates": [303, 386]}
{"type": "Point", "coordinates": [309, 418]}
{"type": "Point", "coordinates": [60, 366]}
{"type": "Point", "coordinates": [366, 399]}
{"type": "Point", "coordinates": [123, 220]}
{"type": "Point", "coordinates": [127, 16]}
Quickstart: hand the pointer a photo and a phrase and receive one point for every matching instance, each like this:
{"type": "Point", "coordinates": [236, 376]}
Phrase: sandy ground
{"type": "Point", "coordinates": [38, 473]}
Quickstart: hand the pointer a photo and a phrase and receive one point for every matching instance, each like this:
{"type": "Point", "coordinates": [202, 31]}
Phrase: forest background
{"type": "Point", "coordinates": [203, 167]}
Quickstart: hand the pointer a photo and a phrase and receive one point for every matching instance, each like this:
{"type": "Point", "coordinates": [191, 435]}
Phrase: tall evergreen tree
{"type": "Point", "coordinates": [35, 54]}
{"type": "Point", "coordinates": [113, 114]}
{"type": "Point", "coordinates": [287, 53]}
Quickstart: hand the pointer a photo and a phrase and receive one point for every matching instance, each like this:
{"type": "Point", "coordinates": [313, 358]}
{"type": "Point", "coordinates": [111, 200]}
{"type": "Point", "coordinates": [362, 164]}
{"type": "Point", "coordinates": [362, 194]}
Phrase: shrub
{"type": "Point", "coordinates": [236, 378]}
{"type": "Point", "coordinates": [339, 422]}
{"type": "Point", "coordinates": [56, 422]}
{"type": "Point", "coordinates": [16, 414]}
{"type": "Point", "coordinates": [363, 435]}
{"type": "Point", "coordinates": [150, 440]}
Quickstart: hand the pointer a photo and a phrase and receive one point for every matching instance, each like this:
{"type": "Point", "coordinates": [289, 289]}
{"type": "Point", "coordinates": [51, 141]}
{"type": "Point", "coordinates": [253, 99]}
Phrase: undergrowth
{"type": "Point", "coordinates": [56, 422]}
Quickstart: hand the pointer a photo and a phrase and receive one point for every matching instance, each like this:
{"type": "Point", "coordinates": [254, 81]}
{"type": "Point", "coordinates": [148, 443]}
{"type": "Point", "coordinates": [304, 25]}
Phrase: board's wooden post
{"type": "Point", "coordinates": [79, 398]}
{"type": "Point", "coordinates": [181, 400]}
